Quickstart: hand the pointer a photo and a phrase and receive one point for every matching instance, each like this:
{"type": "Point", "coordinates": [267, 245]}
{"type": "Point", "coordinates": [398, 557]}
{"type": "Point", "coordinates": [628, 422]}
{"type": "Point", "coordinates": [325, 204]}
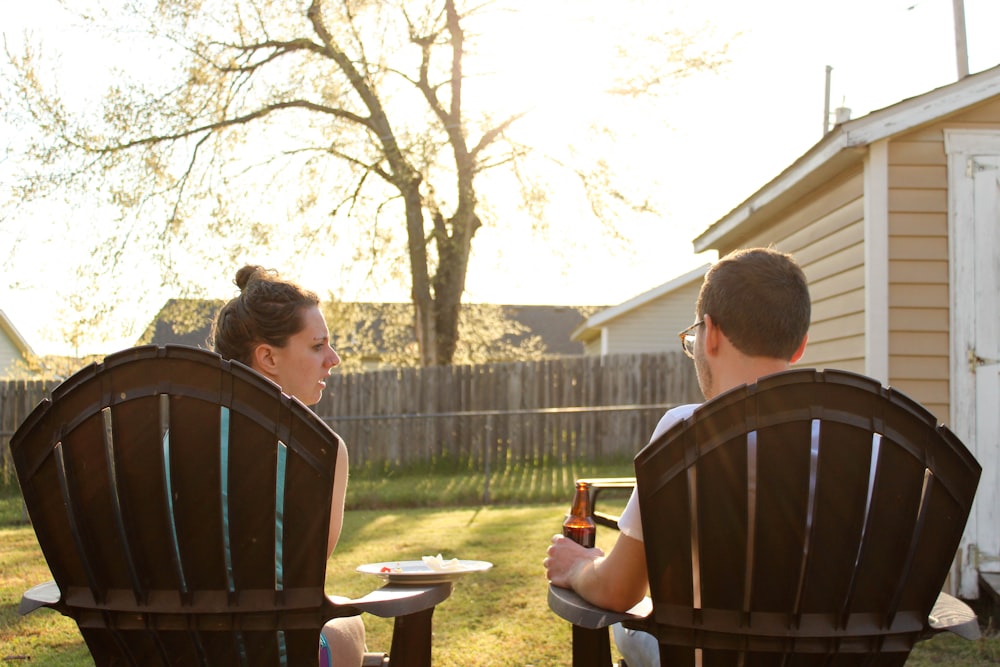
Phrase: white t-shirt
{"type": "Point", "coordinates": [629, 523]}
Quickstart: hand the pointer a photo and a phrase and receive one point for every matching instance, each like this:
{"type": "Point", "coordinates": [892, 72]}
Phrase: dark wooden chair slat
{"type": "Point", "coordinates": [811, 517]}
{"type": "Point", "coordinates": [197, 509]}
{"type": "Point", "coordinates": [183, 505]}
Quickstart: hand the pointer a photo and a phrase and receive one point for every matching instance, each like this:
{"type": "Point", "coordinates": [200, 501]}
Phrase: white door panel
{"type": "Point", "coordinates": [974, 239]}
{"type": "Point", "coordinates": [984, 356]}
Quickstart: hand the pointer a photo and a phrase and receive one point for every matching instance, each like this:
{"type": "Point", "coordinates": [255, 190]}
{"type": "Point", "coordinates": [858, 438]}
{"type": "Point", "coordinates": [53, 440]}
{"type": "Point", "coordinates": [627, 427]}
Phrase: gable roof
{"type": "Point", "coordinates": [847, 145]}
{"type": "Point", "coordinates": [8, 328]}
{"type": "Point", "coordinates": [607, 315]}
{"type": "Point", "coordinates": [182, 322]}
{"type": "Point", "coordinates": [553, 324]}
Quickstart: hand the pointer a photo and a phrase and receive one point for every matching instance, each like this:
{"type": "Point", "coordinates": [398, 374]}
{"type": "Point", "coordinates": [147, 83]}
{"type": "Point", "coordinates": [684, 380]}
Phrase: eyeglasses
{"type": "Point", "coordinates": [687, 338]}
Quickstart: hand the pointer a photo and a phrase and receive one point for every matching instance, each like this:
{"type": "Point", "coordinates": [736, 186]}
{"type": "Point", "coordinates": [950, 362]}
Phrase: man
{"type": "Point", "coordinates": [752, 319]}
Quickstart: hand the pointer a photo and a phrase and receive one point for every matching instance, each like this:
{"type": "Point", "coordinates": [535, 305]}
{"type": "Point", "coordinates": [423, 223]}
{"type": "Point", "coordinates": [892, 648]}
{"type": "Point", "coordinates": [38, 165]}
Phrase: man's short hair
{"type": "Point", "coordinates": [759, 298]}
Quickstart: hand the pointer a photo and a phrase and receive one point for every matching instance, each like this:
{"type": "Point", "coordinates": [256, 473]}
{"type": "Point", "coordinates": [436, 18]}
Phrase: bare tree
{"type": "Point", "coordinates": [354, 110]}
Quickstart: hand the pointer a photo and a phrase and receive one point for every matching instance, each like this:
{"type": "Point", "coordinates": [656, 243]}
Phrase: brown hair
{"type": "Point", "coordinates": [759, 298]}
{"type": "Point", "coordinates": [267, 310]}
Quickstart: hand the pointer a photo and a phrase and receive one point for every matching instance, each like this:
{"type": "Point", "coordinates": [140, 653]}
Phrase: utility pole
{"type": "Point", "coordinates": [961, 47]}
{"type": "Point", "coordinates": [826, 103]}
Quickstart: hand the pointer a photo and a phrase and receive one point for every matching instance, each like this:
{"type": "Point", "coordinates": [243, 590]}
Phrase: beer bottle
{"type": "Point", "coordinates": [579, 526]}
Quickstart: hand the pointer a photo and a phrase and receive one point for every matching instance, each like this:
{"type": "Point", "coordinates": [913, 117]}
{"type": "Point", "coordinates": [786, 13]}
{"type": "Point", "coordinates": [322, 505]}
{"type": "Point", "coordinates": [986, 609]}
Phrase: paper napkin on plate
{"type": "Point", "coordinates": [439, 564]}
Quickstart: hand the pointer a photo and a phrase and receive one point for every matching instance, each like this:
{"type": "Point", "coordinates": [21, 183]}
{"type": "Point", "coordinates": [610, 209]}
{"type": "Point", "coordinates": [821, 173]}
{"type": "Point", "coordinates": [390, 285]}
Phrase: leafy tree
{"type": "Point", "coordinates": [51, 367]}
{"type": "Point", "coordinates": [374, 335]}
{"type": "Point", "coordinates": [369, 116]}
{"type": "Point", "coordinates": [367, 334]}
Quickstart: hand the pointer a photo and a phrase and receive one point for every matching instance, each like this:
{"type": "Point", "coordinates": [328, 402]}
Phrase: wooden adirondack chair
{"type": "Point", "coordinates": [182, 503]}
{"type": "Point", "coordinates": [808, 519]}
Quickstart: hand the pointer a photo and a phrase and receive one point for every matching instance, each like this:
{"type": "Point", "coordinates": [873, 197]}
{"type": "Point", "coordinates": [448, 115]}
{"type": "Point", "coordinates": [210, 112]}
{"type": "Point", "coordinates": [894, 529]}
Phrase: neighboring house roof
{"type": "Point", "coordinates": [590, 328]}
{"type": "Point", "coordinates": [844, 146]}
{"type": "Point", "coordinates": [553, 324]}
{"type": "Point", "coordinates": [12, 344]}
{"type": "Point", "coordinates": [188, 322]}
{"type": "Point", "coordinates": [182, 322]}
{"type": "Point", "coordinates": [15, 337]}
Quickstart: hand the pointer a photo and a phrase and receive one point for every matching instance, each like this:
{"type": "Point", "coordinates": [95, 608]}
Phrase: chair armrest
{"type": "Point", "coordinates": [590, 636]}
{"type": "Point", "coordinates": [571, 607]}
{"type": "Point", "coordinates": [387, 602]}
{"type": "Point", "coordinates": [600, 484]}
{"type": "Point", "coordinates": [42, 595]}
{"type": "Point", "coordinates": [412, 607]}
{"type": "Point", "coordinates": [950, 614]}
{"type": "Point", "coordinates": [394, 600]}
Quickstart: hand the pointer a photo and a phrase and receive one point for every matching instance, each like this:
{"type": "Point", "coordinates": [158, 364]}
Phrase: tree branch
{"type": "Point", "coordinates": [365, 166]}
{"type": "Point", "coordinates": [240, 120]}
{"type": "Point", "coordinates": [457, 52]}
{"type": "Point", "coordinates": [491, 136]}
{"type": "Point", "coordinates": [277, 48]}
{"type": "Point", "coordinates": [378, 120]}
{"type": "Point", "coordinates": [186, 175]}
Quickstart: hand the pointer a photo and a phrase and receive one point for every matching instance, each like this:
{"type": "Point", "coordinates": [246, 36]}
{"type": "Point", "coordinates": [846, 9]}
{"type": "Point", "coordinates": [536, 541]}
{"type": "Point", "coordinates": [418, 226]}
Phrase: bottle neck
{"type": "Point", "coordinates": [581, 502]}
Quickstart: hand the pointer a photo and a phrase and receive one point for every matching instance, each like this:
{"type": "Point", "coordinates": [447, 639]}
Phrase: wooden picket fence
{"type": "Point", "coordinates": [17, 399]}
{"type": "Point", "coordinates": [491, 415]}
{"type": "Point", "coordinates": [482, 417]}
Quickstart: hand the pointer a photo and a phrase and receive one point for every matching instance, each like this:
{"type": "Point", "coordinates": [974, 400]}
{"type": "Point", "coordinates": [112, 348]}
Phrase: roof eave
{"type": "Point", "coordinates": [598, 320]}
{"type": "Point", "coordinates": [829, 157]}
{"type": "Point", "coordinates": [580, 333]}
{"type": "Point", "coordinates": [846, 146]}
{"type": "Point", "coordinates": [15, 336]}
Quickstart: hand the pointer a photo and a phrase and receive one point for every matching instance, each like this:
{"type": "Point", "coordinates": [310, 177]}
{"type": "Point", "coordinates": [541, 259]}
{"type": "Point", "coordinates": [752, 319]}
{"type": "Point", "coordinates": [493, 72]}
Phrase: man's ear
{"type": "Point", "coordinates": [799, 352]}
{"type": "Point", "coordinates": [712, 336]}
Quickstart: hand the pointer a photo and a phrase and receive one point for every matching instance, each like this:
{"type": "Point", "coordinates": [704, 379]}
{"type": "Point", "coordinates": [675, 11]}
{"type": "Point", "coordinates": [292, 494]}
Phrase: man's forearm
{"type": "Point", "coordinates": [616, 581]}
{"type": "Point", "coordinates": [593, 581]}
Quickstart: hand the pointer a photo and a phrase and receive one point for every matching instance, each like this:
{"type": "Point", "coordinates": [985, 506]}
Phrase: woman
{"type": "Point", "coordinates": [276, 328]}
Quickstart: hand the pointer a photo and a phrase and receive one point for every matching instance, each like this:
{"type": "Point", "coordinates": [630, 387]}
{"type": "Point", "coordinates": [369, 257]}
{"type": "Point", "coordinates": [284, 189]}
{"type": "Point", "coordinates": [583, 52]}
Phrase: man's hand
{"type": "Point", "coordinates": [616, 581]}
{"type": "Point", "coordinates": [565, 559]}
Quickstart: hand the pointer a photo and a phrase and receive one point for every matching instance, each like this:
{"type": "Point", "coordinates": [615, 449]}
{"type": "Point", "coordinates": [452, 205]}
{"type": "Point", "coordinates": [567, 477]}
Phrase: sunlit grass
{"type": "Point", "coordinates": [42, 638]}
{"type": "Point", "coordinates": [429, 487]}
{"type": "Point", "coordinates": [497, 618]}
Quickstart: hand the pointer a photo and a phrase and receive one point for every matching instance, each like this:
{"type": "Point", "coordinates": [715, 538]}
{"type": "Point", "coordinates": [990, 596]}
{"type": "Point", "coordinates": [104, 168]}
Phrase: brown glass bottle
{"type": "Point", "coordinates": [579, 526]}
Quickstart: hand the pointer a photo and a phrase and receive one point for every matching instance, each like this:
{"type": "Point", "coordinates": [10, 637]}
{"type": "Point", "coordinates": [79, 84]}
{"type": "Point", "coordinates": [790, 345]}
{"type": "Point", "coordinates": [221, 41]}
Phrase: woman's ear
{"type": "Point", "coordinates": [264, 361]}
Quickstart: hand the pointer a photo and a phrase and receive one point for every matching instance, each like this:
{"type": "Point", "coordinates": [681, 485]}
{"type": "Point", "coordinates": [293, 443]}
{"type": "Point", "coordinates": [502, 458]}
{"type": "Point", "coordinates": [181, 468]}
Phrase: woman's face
{"type": "Point", "coordinates": [303, 364]}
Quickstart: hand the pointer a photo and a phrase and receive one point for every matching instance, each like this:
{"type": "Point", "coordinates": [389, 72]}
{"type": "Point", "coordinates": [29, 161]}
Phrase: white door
{"type": "Point", "coordinates": [974, 180]}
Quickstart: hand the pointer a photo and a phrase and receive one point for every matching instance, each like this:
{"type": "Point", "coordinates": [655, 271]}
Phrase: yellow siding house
{"type": "Point", "coordinates": [894, 217]}
{"type": "Point", "coordinates": [644, 323]}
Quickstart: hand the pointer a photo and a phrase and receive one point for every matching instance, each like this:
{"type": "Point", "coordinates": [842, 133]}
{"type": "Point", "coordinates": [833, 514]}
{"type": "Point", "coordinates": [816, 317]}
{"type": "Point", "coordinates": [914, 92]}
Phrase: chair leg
{"type": "Point", "coordinates": [591, 648]}
{"type": "Point", "coordinates": [411, 640]}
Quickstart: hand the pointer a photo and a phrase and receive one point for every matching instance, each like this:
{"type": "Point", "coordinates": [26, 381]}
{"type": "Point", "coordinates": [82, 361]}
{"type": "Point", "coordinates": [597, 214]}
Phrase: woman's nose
{"type": "Point", "coordinates": [334, 358]}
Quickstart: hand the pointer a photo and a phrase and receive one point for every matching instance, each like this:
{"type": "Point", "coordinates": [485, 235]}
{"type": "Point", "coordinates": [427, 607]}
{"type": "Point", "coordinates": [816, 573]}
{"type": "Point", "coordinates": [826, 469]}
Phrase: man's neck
{"type": "Point", "coordinates": [747, 370]}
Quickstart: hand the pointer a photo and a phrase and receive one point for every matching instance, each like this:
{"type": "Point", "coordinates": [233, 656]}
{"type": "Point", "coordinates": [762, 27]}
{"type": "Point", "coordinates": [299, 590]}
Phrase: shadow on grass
{"type": "Point", "coordinates": [426, 486]}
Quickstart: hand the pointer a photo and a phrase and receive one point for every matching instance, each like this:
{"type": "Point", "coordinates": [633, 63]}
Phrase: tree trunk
{"type": "Point", "coordinates": [420, 290]}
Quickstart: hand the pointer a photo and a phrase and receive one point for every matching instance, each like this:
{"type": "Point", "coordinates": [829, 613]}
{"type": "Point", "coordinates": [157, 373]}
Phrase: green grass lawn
{"type": "Point", "coordinates": [496, 618]}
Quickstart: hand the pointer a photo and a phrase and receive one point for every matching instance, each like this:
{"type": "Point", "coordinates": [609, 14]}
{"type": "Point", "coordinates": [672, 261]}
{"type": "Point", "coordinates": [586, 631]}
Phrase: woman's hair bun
{"type": "Point", "coordinates": [251, 272]}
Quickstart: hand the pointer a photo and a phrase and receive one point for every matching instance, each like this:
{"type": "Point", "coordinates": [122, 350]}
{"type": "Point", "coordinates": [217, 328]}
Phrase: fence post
{"type": "Point", "coordinates": [488, 446]}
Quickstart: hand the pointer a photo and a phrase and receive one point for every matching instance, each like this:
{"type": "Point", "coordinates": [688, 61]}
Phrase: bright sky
{"type": "Point", "coordinates": [730, 133]}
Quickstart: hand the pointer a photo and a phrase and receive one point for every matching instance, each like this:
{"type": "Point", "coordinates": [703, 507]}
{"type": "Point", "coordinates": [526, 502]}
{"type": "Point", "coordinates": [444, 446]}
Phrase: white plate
{"type": "Point", "coordinates": [418, 572]}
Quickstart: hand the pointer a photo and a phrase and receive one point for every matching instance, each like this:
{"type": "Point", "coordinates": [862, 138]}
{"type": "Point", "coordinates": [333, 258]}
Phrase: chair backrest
{"type": "Point", "coordinates": [813, 513]}
{"type": "Point", "coordinates": [182, 503]}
